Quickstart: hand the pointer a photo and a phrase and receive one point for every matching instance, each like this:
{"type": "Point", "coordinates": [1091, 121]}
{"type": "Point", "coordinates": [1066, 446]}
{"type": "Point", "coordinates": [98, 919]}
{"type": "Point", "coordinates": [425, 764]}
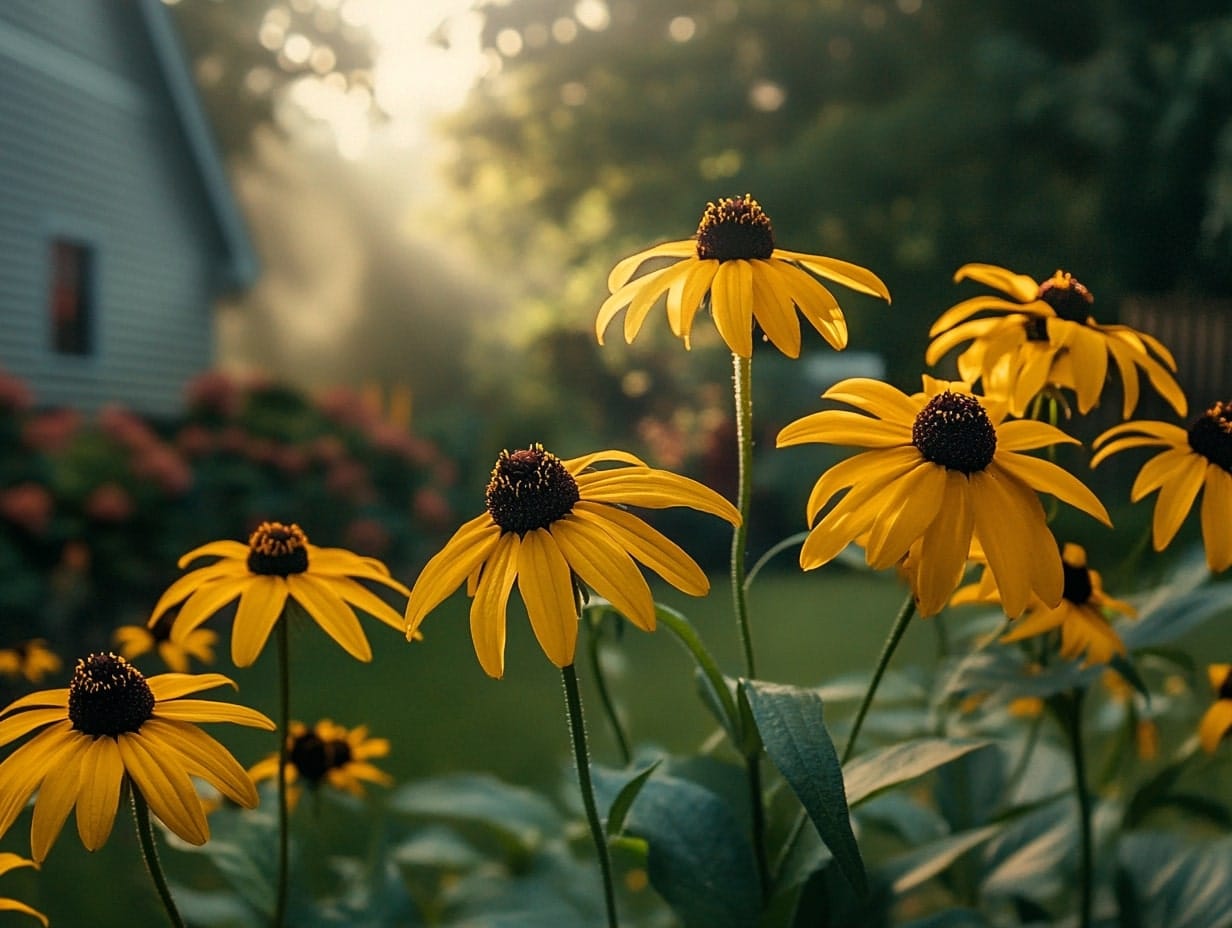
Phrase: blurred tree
{"type": "Point", "coordinates": [910, 136]}
{"type": "Point", "coordinates": [249, 54]}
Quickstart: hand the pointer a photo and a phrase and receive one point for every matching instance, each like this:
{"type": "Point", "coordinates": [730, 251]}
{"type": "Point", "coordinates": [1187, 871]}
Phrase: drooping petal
{"type": "Point", "coordinates": [546, 586]}
{"type": "Point", "coordinates": [43, 698]}
{"type": "Point", "coordinates": [648, 296]}
{"type": "Point", "coordinates": [56, 796]}
{"type": "Point", "coordinates": [576, 466]}
{"type": "Point", "coordinates": [945, 545]}
{"type": "Point", "coordinates": [998, 518]}
{"type": "Point", "coordinates": [1029, 434]}
{"type": "Point", "coordinates": [973, 330]}
{"type": "Point", "coordinates": [1046, 477]}
{"type": "Point", "coordinates": [261, 607]}
{"type": "Point", "coordinates": [645, 289]}
{"type": "Point", "coordinates": [449, 567]}
{"type": "Point", "coordinates": [166, 786]}
{"type": "Point", "coordinates": [24, 769]}
{"type": "Point", "coordinates": [196, 580]}
{"type": "Point", "coordinates": [203, 757]}
{"type": "Point", "coordinates": [21, 724]}
{"type": "Point", "coordinates": [1217, 518]}
{"type": "Point", "coordinates": [12, 905]}
{"type": "Point", "coordinates": [873, 469]}
{"type": "Point", "coordinates": [102, 774]}
{"type": "Point", "coordinates": [331, 612]}
{"type": "Point", "coordinates": [858, 278]}
{"type": "Point", "coordinates": [204, 603]}
{"type": "Point", "coordinates": [605, 567]}
{"type": "Point", "coordinates": [491, 602]}
{"type": "Point", "coordinates": [909, 508]}
{"type": "Point", "coordinates": [1161, 469]}
{"type": "Point", "coordinates": [359, 595]}
{"type": "Point", "coordinates": [1090, 360]}
{"type": "Point", "coordinates": [624, 269]}
{"type": "Point", "coordinates": [1215, 724]}
{"type": "Point", "coordinates": [1174, 502]}
{"type": "Point", "coordinates": [776, 315]}
{"type": "Point", "coordinates": [731, 305]}
{"type": "Point", "coordinates": [654, 489]}
{"type": "Point", "coordinates": [650, 546]}
{"type": "Point", "coordinates": [960, 312]}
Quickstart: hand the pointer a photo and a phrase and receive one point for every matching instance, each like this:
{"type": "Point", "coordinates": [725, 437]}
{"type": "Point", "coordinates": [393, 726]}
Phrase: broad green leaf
{"type": "Point", "coordinates": [1027, 858]}
{"type": "Point", "coordinates": [517, 818]}
{"type": "Point", "coordinates": [789, 720]}
{"type": "Point", "coordinates": [908, 871]}
{"type": "Point", "coordinates": [700, 860]}
{"type": "Point", "coordinates": [877, 770]}
{"type": "Point", "coordinates": [1176, 882]}
{"type": "Point", "coordinates": [951, 918]}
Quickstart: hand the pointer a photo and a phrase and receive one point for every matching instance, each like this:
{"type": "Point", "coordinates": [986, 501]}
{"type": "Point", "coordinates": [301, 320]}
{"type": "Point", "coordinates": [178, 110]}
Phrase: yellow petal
{"type": "Point", "coordinates": [1175, 499]}
{"type": "Point", "coordinates": [1046, 477]}
{"type": "Point", "coordinates": [972, 330]}
{"type": "Point", "coordinates": [449, 567]}
{"type": "Point", "coordinates": [203, 757]}
{"type": "Point", "coordinates": [259, 611]}
{"type": "Point", "coordinates": [877, 399]}
{"type": "Point", "coordinates": [546, 586]}
{"type": "Point", "coordinates": [230, 550]}
{"type": "Point", "coordinates": [166, 686]}
{"type": "Point", "coordinates": [1019, 286]}
{"type": "Point", "coordinates": [998, 520]}
{"type": "Point", "coordinates": [196, 580]}
{"type": "Point", "coordinates": [647, 296]}
{"type": "Point", "coordinates": [21, 724]}
{"type": "Point", "coordinates": [331, 612]}
{"type": "Point", "coordinates": [960, 312]}
{"type": "Point", "coordinates": [858, 278]}
{"type": "Point", "coordinates": [1215, 724]}
{"type": "Point", "coordinates": [731, 305]}
{"type": "Point", "coordinates": [1217, 519]}
{"type": "Point", "coordinates": [102, 773]}
{"type": "Point", "coordinates": [208, 600]}
{"type": "Point", "coordinates": [945, 545]}
{"type": "Point", "coordinates": [360, 596]}
{"type": "Point", "coordinates": [43, 698]}
{"type": "Point", "coordinates": [1029, 434]}
{"type": "Point", "coordinates": [1090, 361]}
{"type": "Point", "coordinates": [165, 785]}
{"type": "Point", "coordinates": [648, 545]}
{"type": "Point", "coordinates": [870, 470]}
{"type": "Point", "coordinates": [625, 269]}
{"type": "Point", "coordinates": [24, 769]}
{"type": "Point", "coordinates": [56, 796]}
{"type": "Point", "coordinates": [776, 315]}
{"type": "Point", "coordinates": [654, 489]}
{"type": "Point", "coordinates": [644, 291]}
{"type": "Point", "coordinates": [691, 291]}
{"type": "Point", "coordinates": [815, 302]}
{"type": "Point", "coordinates": [1161, 469]}
{"type": "Point", "coordinates": [490, 605]}
{"type": "Point", "coordinates": [908, 510]}
{"type": "Point", "coordinates": [209, 710]}
{"type": "Point", "coordinates": [12, 905]}
{"type": "Point", "coordinates": [576, 466]}
{"type": "Point", "coordinates": [606, 568]}
{"type": "Point", "coordinates": [840, 427]}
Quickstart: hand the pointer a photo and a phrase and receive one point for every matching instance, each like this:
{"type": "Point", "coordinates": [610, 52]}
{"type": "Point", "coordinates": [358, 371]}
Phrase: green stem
{"type": "Point", "coordinates": [752, 766]}
{"type": "Point", "coordinates": [1072, 720]}
{"type": "Point", "coordinates": [581, 757]}
{"type": "Point", "coordinates": [605, 696]}
{"type": "Point", "coordinates": [284, 730]}
{"type": "Point", "coordinates": [789, 542]}
{"type": "Point", "coordinates": [742, 387]}
{"type": "Point", "coordinates": [887, 651]}
{"type": "Point", "coordinates": [145, 835]}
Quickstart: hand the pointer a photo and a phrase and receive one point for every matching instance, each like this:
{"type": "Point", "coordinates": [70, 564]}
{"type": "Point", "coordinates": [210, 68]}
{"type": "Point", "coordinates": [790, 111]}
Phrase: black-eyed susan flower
{"type": "Point", "coordinates": [734, 263]}
{"type": "Point", "coordinates": [1045, 336]}
{"type": "Point", "coordinates": [1199, 458]}
{"type": "Point", "coordinates": [111, 725]}
{"type": "Point", "coordinates": [174, 646]}
{"type": "Point", "coordinates": [1081, 615]}
{"type": "Point", "coordinates": [9, 861]}
{"type": "Point", "coordinates": [280, 564]}
{"type": "Point", "coordinates": [943, 470]}
{"type": "Point", "coordinates": [552, 525]}
{"type": "Point", "coordinates": [1218, 718]}
{"type": "Point", "coordinates": [31, 660]}
{"type": "Point", "coordinates": [328, 754]}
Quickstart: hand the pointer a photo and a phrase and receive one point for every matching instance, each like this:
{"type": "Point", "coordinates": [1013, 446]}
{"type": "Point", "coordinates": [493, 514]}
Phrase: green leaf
{"type": "Point", "coordinates": [624, 800]}
{"type": "Point", "coordinates": [1175, 882]}
{"type": "Point", "coordinates": [789, 720]}
{"type": "Point", "coordinates": [870, 773]}
{"type": "Point", "coordinates": [518, 819]}
{"type": "Point", "coordinates": [700, 859]}
{"type": "Point", "coordinates": [1027, 858]}
{"type": "Point", "coordinates": [1129, 673]}
{"type": "Point", "coordinates": [906, 872]}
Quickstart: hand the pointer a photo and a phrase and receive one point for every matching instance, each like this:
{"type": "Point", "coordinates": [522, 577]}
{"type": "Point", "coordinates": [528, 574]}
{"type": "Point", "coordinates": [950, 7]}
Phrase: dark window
{"type": "Point", "coordinates": [72, 297]}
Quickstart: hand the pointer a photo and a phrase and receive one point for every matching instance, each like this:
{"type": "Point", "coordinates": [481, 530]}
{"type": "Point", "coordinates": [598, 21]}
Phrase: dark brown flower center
{"type": "Point", "coordinates": [278, 550]}
{"type": "Point", "coordinates": [108, 696]}
{"type": "Point", "coordinates": [1078, 587]}
{"type": "Point", "coordinates": [1211, 435]}
{"type": "Point", "coordinates": [1068, 298]}
{"type": "Point", "coordinates": [954, 430]}
{"type": "Point", "coordinates": [530, 489]}
{"type": "Point", "coordinates": [734, 227]}
{"type": "Point", "coordinates": [314, 756]}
